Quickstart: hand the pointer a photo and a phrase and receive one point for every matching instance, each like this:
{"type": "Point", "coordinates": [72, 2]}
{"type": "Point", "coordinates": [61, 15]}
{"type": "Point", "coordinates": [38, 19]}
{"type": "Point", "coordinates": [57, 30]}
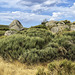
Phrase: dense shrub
{"type": "Point", "coordinates": [42, 55]}
{"type": "Point", "coordinates": [63, 67]}
{"type": "Point", "coordinates": [11, 46]}
{"type": "Point", "coordinates": [15, 45]}
{"type": "Point", "coordinates": [38, 45]}
{"type": "Point", "coordinates": [65, 43]}
{"type": "Point", "coordinates": [2, 32]}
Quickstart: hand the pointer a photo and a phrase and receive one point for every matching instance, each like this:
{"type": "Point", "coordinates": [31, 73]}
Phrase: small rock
{"type": "Point", "coordinates": [8, 33]}
{"type": "Point", "coordinates": [72, 27]}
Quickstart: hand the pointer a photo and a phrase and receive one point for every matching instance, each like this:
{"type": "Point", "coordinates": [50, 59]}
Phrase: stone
{"type": "Point", "coordinates": [72, 27]}
{"type": "Point", "coordinates": [9, 32]}
{"type": "Point", "coordinates": [51, 23]}
{"type": "Point", "coordinates": [59, 28]}
{"type": "Point", "coordinates": [54, 29]}
{"type": "Point", "coordinates": [16, 25]}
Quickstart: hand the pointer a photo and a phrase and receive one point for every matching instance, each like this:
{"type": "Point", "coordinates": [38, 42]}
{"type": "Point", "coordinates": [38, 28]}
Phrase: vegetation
{"type": "Point", "coordinates": [63, 67]}
{"type": "Point", "coordinates": [3, 28]}
{"type": "Point", "coordinates": [66, 22]}
{"type": "Point", "coordinates": [39, 45]}
{"type": "Point", "coordinates": [40, 26]}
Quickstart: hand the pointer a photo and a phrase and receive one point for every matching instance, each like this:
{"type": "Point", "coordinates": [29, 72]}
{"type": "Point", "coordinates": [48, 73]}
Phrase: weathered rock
{"type": "Point", "coordinates": [51, 23]}
{"type": "Point", "coordinates": [55, 29]}
{"type": "Point", "coordinates": [16, 25]}
{"type": "Point", "coordinates": [63, 27]}
{"type": "Point", "coordinates": [59, 28]}
{"type": "Point", "coordinates": [8, 33]}
{"type": "Point", "coordinates": [72, 27]}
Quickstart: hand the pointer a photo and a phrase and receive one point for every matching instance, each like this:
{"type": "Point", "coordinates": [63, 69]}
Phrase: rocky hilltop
{"type": "Point", "coordinates": [56, 26]}
{"type": "Point", "coordinates": [53, 26]}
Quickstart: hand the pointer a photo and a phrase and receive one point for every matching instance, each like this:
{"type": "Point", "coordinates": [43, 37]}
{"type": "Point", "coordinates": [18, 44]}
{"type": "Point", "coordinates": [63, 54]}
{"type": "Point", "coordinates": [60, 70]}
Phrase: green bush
{"type": "Point", "coordinates": [2, 32]}
{"type": "Point", "coordinates": [64, 67]}
{"type": "Point", "coordinates": [40, 26]}
{"type": "Point", "coordinates": [12, 46]}
{"type": "Point", "coordinates": [40, 72]}
{"type": "Point", "coordinates": [43, 55]}
{"type": "Point", "coordinates": [38, 45]}
{"type": "Point", "coordinates": [67, 66]}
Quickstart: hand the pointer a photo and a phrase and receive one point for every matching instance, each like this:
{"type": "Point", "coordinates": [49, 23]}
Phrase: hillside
{"type": "Point", "coordinates": [39, 44]}
{"type": "Point", "coordinates": [16, 68]}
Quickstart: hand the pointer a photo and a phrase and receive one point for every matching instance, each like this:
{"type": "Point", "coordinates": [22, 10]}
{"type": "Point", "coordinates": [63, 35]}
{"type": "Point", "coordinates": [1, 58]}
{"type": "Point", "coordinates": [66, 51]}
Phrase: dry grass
{"type": "Point", "coordinates": [16, 68]}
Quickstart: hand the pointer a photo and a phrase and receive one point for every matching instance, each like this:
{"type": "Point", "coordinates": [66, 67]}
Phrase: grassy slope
{"type": "Point", "coordinates": [15, 68]}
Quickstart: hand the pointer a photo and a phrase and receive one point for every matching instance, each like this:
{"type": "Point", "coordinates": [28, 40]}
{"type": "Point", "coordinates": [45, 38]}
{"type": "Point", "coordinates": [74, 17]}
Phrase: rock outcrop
{"type": "Point", "coordinates": [16, 25]}
{"type": "Point", "coordinates": [54, 29]}
{"type": "Point", "coordinates": [56, 26]}
{"type": "Point", "coordinates": [51, 23]}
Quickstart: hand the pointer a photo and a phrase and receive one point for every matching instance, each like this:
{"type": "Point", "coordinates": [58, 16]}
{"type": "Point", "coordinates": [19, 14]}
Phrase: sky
{"type": "Point", "coordinates": [33, 12]}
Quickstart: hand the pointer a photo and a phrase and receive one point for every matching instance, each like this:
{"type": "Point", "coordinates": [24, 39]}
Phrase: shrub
{"type": "Point", "coordinates": [67, 67]}
{"type": "Point", "coordinates": [63, 67]}
{"type": "Point", "coordinates": [40, 26]}
{"type": "Point", "coordinates": [43, 55]}
{"type": "Point", "coordinates": [41, 72]}
{"type": "Point", "coordinates": [66, 21]}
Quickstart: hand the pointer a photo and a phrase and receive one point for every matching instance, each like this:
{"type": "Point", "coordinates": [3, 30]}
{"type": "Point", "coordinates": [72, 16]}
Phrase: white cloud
{"type": "Point", "coordinates": [58, 12]}
{"type": "Point", "coordinates": [25, 18]}
{"type": "Point", "coordinates": [49, 2]}
{"type": "Point", "coordinates": [30, 4]}
{"type": "Point", "coordinates": [64, 13]}
{"type": "Point", "coordinates": [56, 15]}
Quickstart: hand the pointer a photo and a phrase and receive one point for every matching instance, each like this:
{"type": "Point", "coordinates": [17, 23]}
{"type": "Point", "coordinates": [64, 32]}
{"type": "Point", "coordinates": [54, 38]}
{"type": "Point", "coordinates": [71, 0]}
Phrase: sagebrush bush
{"type": "Point", "coordinates": [43, 55]}
{"type": "Point", "coordinates": [38, 45]}
{"type": "Point", "coordinates": [62, 67]}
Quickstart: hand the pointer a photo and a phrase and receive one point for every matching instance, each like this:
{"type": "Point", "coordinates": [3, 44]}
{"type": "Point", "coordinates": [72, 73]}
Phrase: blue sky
{"type": "Point", "coordinates": [33, 12]}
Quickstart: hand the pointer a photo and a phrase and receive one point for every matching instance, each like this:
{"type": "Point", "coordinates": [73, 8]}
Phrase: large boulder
{"type": "Point", "coordinates": [16, 25]}
{"type": "Point", "coordinates": [54, 29]}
